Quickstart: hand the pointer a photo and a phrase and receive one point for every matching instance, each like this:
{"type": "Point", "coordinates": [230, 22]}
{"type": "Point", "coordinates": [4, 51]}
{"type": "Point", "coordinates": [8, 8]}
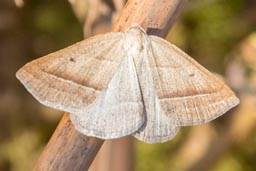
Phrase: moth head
{"type": "Point", "coordinates": [135, 27]}
{"type": "Point", "coordinates": [135, 39]}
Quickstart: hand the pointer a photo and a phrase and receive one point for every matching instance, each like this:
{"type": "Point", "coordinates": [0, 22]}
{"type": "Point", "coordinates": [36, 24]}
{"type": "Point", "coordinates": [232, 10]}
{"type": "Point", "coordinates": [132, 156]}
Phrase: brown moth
{"type": "Point", "coordinates": [123, 83]}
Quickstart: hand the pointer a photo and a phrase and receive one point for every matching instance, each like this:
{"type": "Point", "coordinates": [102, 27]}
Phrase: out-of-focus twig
{"type": "Point", "coordinates": [19, 3]}
{"type": "Point", "coordinates": [96, 9]}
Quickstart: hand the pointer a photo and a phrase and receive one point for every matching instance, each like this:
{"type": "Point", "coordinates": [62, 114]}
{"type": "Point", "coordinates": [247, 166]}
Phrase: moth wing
{"type": "Point", "coordinates": [70, 79]}
{"type": "Point", "coordinates": [186, 90]}
{"type": "Point", "coordinates": [118, 110]}
{"type": "Point", "coordinates": [158, 126]}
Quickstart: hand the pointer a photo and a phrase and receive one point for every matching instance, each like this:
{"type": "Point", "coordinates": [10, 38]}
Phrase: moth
{"type": "Point", "coordinates": [124, 83]}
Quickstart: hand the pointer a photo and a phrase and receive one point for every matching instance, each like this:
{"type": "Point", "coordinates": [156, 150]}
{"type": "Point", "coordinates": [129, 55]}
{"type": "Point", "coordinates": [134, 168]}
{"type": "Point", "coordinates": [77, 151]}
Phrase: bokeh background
{"type": "Point", "coordinates": [219, 34]}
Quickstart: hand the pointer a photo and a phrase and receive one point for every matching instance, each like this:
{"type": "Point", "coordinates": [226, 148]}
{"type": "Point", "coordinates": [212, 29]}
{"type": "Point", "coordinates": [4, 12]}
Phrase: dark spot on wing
{"type": "Point", "coordinates": [141, 48]}
{"type": "Point", "coordinates": [100, 57]}
{"type": "Point", "coordinates": [72, 59]}
{"type": "Point", "coordinates": [191, 74]}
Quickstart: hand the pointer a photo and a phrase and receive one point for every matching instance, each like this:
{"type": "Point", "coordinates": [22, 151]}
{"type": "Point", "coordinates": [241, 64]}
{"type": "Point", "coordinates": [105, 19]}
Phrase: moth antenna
{"type": "Point", "coordinates": [135, 25]}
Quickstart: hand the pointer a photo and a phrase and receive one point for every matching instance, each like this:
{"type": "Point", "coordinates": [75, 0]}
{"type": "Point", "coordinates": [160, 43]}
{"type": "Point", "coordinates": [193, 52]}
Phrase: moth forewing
{"type": "Point", "coordinates": [185, 89]}
{"type": "Point", "coordinates": [70, 79]}
{"type": "Point", "coordinates": [118, 110]}
{"type": "Point", "coordinates": [158, 127]}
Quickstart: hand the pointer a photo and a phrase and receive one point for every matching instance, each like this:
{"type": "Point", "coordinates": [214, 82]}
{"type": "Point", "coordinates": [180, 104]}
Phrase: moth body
{"type": "Point", "coordinates": [135, 39]}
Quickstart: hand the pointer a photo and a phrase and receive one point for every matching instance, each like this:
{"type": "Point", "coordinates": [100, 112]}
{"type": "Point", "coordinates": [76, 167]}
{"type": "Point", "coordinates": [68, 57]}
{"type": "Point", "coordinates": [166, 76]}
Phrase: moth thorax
{"type": "Point", "coordinates": [134, 42]}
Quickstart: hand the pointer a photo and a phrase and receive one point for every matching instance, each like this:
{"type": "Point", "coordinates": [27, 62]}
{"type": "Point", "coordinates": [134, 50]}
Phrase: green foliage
{"type": "Point", "coordinates": [213, 29]}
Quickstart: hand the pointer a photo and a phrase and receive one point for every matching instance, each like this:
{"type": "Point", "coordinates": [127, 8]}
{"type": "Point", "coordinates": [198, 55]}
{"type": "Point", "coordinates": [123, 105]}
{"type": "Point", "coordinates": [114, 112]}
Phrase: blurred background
{"type": "Point", "coordinates": [219, 34]}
